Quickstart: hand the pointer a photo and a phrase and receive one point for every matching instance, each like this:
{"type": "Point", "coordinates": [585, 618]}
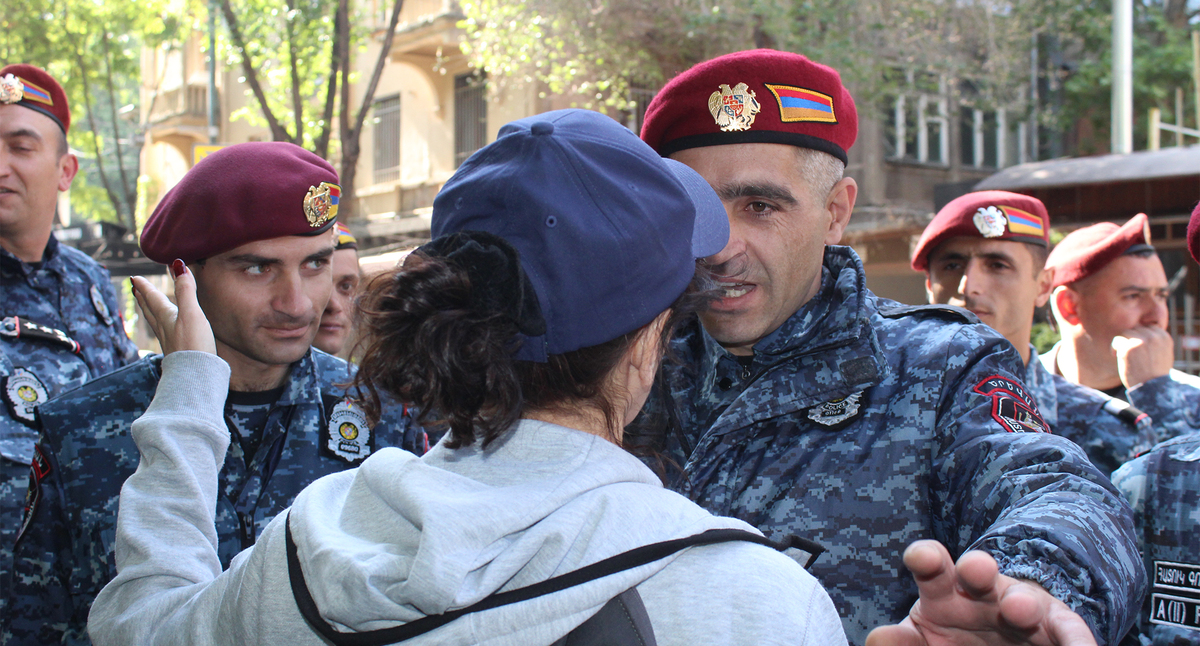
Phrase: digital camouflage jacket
{"type": "Point", "coordinates": [1109, 430]}
{"type": "Point", "coordinates": [1163, 486]}
{"type": "Point", "coordinates": [64, 553]}
{"type": "Point", "coordinates": [59, 328]}
{"type": "Point", "coordinates": [865, 425]}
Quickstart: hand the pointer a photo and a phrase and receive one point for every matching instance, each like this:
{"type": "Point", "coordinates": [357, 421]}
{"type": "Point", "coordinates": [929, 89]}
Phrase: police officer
{"type": "Point", "coordinates": [337, 321]}
{"type": "Point", "coordinates": [986, 252]}
{"type": "Point", "coordinates": [253, 223]}
{"type": "Point", "coordinates": [1163, 486]}
{"type": "Point", "coordinates": [1110, 303]}
{"type": "Point", "coordinates": [809, 407]}
{"type": "Point", "coordinates": [59, 321]}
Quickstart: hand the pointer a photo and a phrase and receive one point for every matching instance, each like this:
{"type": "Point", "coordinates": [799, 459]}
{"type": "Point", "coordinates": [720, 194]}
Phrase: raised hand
{"type": "Point", "coordinates": [971, 603]}
{"type": "Point", "coordinates": [1143, 353]}
{"type": "Point", "coordinates": [181, 327]}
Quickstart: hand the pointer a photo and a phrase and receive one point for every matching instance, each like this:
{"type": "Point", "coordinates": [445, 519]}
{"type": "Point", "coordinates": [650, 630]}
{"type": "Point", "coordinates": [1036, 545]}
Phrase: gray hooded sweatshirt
{"type": "Point", "coordinates": [403, 537]}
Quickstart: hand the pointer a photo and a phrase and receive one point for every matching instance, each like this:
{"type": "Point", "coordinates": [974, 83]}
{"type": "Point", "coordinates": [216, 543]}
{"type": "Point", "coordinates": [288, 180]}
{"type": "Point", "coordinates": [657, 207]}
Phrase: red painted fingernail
{"type": "Point", "coordinates": [177, 268]}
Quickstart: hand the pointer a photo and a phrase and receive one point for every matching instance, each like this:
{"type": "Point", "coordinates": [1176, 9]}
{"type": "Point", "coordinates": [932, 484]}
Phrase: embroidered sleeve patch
{"type": "Point", "coordinates": [1012, 407]}
{"type": "Point", "coordinates": [1175, 597]}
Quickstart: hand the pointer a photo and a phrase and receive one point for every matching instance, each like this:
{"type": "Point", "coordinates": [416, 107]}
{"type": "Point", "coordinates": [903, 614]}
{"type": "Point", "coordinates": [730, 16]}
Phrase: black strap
{"type": "Point", "coordinates": [624, 561]}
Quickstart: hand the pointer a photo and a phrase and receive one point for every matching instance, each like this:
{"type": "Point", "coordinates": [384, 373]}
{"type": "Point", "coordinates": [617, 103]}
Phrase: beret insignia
{"type": "Point", "coordinates": [733, 109]}
{"type": "Point", "coordinates": [12, 90]}
{"type": "Point", "coordinates": [321, 203]}
{"type": "Point", "coordinates": [990, 221]}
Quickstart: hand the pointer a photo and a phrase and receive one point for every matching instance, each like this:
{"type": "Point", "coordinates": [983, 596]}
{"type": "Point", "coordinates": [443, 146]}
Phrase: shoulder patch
{"type": "Point", "coordinates": [943, 311]}
{"type": "Point", "coordinates": [1012, 408]}
{"type": "Point", "coordinates": [836, 411]}
{"type": "Point", "coordinates": [1175, 595]}
{"type": "Point", "coordinates": [347, 436]}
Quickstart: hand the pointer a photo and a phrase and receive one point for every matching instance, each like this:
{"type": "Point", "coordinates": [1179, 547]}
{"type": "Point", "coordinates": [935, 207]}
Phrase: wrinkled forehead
{"type": "Point", "coordinates": [965, 247]}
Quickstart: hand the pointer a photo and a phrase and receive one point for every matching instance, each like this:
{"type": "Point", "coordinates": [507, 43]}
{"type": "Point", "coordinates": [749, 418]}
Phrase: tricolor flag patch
{"type": "Point", "coordinates": [1024, 223]}
{"type": "Point", "coordinates": [35, 93]}
{"type": "Point", "coordinates": [799, 104]}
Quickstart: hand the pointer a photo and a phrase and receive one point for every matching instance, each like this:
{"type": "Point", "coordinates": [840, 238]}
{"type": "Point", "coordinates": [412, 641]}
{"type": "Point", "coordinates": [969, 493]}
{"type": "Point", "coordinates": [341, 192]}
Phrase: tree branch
{"type": "Point", "coordinates": [336, 49]}
{"type": "Point", "coordinates": [297, 101]}
{"type": "Point", "coordinates": [278, 132]}
{"type": "Point", "coordinates": [369, 95]}
{"type": "Point", "coordinates": [128, 193]}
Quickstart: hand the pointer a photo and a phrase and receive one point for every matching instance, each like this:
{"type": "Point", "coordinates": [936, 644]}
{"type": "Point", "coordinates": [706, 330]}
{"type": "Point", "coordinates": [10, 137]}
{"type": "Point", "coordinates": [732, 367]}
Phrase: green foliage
{"type": "Point", "coordinates": [1043, 337]}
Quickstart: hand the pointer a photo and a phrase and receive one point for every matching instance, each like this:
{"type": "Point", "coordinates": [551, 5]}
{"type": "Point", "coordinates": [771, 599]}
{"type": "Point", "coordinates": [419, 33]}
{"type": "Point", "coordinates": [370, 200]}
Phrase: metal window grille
{"type": "Point", "coordinates": [387, 139]}
{"type": "Point", "coordinates": [470, 115]}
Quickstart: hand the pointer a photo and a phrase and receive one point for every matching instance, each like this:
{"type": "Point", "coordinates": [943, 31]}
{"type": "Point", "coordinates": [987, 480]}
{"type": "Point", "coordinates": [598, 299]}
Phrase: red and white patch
{"type": "Point", "coordinates": [1012, 408]}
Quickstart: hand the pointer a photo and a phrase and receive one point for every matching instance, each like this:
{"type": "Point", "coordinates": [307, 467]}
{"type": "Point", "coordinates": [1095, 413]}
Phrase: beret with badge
{"type": "Point", "coordinates": [1193, 234]}
{"type": "Point", "coordinates": [995, 215]}
{"type": "Point", "coordinates": [755, 96]}
{"type": "Point", "coordinates": [31, 87]}
{"type": "Point", "coordinates": [1088, 250]}
{"type": "Point", "coordinates": [242, 194]}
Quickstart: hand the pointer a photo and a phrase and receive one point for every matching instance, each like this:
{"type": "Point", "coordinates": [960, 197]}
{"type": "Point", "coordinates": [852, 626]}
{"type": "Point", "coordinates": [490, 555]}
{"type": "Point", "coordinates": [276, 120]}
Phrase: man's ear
{"type": "Point", "coordinates": [1065, 304]}
{"type": "Point", "coordinates": [928, 289]}
{"type": "Point", "coordinates": [1045, 281]}
{"type": "Point", "coordinates": [840, 204]}
{"type": "Point", "coordinates": [68, 168]}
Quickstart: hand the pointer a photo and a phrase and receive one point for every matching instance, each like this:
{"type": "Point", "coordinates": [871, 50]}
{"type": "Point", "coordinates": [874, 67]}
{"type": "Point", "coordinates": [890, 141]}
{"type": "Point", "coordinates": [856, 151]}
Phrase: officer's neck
{"type": "Point", "coordinates": [1077, 361]}
{"type": "Point", "coordinates": [249, 375]}
{"type": "Point", "coordinates": [28, 246]}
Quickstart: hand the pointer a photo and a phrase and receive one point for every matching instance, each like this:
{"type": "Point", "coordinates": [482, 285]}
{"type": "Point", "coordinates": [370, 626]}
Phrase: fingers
{"type": "Point", "coordinates": [977, 574]}
{"type": "Point", "coordinates": [932, 568]}
{"type": "Point", "coordinates": [1027, 607]}
{"type": "Point", "coordinates": [902, 634]}
{"type": "Point", "coordinates": [141, 291]}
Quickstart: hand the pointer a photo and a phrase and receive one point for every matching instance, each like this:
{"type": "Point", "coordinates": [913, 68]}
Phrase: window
{"type": "Point", "coordinates": [387, 139]}
{"type": "Point", "coordinates": [640, 95]}
{"type": "Point", "coordinates": [991, 138]}
{"type": "Point", "coordinates": [470, 115]}
{"type": "Point", "coordinates": [916, 118]}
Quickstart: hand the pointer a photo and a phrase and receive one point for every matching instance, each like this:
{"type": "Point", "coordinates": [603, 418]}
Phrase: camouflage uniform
{"type": "Point", "coordinates": [865, 425]}
{"type": "Point", "coordinates": [65, 554]}
{"type": "Point", "coordinates": [1109, 430]}
{"type": "Point", "coordinates": [1172, 400]}
{"type": "Point", "coordinates": [68, 292]}
{"type": "Point", "coordinates": [1163, 486]}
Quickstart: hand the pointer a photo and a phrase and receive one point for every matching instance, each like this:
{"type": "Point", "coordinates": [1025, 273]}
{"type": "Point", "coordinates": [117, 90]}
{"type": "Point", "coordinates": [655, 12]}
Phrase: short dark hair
{"type": "Point", "coordinates": [425, 346]}
{"type": "Point", "coordinates": [1039, 253]}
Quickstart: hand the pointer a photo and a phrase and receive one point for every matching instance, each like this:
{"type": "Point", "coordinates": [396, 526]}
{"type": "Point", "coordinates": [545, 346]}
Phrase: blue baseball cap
{"type": "Point", "coordinates": [606, 230]}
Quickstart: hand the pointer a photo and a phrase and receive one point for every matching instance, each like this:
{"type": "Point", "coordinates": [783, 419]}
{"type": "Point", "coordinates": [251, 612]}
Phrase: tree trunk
{"type": "Point", "coordinates": [128, 191]}
{"type": "Point", "coordinates": [87, 106]}
{"type": "Point", "coordinates": [337, 50]}
{"type": "Point", "coordinates": [297, 101]}
{"type": "Point", "coordinates": [351, 147]}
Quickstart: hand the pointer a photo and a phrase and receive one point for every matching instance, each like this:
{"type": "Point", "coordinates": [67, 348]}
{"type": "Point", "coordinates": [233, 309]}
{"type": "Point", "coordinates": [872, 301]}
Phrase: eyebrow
{"type": "Point", "coordinates": [21, 132]}
{"type": "Point", "coordinates": [320, 255]}
{"type": "Point", "coordinates": [766, 191]}
{"type": "Point", "coordinates": [990, 255]}
{"type": "Point", "coordinates": [1145, 290]}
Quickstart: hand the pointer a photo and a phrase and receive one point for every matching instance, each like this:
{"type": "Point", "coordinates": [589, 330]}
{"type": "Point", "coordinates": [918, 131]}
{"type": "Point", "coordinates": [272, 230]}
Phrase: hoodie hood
{"type": "Point", "coordinates": [404, 537]}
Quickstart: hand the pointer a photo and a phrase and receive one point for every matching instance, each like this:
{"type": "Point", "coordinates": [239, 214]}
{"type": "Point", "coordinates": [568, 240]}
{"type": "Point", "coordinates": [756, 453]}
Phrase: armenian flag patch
{"type": "Point", "coordinates": [1023, 222]}
{"type": "Point", "coordinates": [35, 93]}
{"type": "Point", "coordinates": [800, 104]}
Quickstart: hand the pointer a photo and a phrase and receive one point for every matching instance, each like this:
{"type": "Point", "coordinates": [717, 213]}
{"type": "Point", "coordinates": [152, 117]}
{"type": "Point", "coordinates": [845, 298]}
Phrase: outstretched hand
{"type": "Point", "coordinates": [971, 603]}
{"type": "Point", "coordinates": [1143, 353]}
{"type": "Point", "coordinates": [182, 327]}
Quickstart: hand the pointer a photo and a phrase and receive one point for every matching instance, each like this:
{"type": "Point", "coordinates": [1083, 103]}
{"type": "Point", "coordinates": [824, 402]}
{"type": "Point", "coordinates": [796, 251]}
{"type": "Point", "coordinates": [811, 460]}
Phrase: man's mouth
{"type": "Point", "coordinates": [735, 290]}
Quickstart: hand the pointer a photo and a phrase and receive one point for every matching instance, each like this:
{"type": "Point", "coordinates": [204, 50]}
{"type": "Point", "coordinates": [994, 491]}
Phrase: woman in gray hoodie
{"type": "Point", "coordinates": [531, 328]}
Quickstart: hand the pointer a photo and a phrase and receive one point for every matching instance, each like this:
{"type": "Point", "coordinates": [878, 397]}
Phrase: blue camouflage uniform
{"type": "Point", "coordinates": [865, 425]}
{"type": "Point", "coordinates": [1109, 430]}
{"type": "Point", "coordinates": [1172, 400]}
{"type": "Point", "coordinates": [1163, 486]}
{"type": "Point", "coordinates": [69, 293]}
{"type": "Point", "coordinates": [64, 555]}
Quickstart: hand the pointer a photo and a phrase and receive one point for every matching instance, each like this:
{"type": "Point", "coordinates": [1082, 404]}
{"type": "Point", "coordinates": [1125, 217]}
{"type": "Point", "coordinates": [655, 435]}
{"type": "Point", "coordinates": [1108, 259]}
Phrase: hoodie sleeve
{"type": "Point", "coordinates": [166, 538]}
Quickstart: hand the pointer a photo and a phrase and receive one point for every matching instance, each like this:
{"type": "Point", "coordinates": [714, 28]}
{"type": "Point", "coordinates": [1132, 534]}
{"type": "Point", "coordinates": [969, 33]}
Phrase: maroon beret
{"type": "Point", "coordinates": [1194, 234]}
{"type": "Point", "coordinates": [33, 88]}
{"type": "Point", "coordinates": [1086, 251]}
{"type": "Point", "coordinates": [242, 194]}
{"type": "Point", "coordinates": [997, 215]}
{"type": "Point", "coordinates": [756, 96]}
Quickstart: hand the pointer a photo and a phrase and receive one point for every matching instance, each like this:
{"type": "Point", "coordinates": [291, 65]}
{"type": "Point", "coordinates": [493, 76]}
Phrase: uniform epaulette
{"type": "Point", "coordinates": [945, 311]}
{"type": "Point", "coordinates": [1123, 411]}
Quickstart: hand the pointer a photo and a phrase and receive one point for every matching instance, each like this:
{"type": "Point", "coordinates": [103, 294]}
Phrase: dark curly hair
{"type": "Point", "coordinates": [424, 345]}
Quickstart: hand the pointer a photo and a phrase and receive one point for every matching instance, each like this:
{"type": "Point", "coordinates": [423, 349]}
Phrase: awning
{"type": "Point", "coordinates": [1142, 165]}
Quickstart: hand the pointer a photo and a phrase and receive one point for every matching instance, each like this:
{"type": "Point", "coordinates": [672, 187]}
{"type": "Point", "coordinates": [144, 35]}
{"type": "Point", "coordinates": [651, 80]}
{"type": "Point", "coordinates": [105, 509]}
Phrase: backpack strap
{"type": "Point", "coordinates": [624, 561]}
